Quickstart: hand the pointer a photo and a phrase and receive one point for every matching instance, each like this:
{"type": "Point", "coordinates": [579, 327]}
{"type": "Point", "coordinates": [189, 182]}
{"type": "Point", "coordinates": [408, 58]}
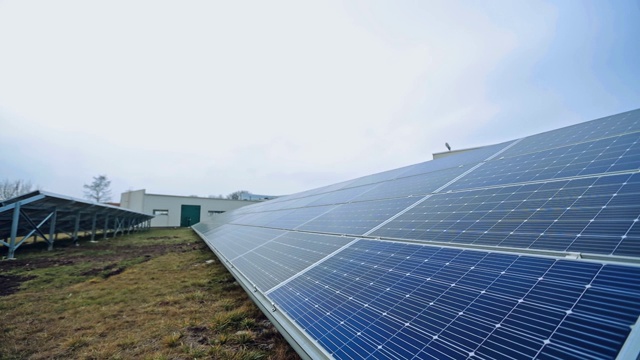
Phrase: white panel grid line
{"type": "Point", "coordinates": [505, 149]}
{"type": "Point", "coordinates": [467, 268]}
{"type": "Point", "coordinates": [454, 319]}
{"type": "Point", "coordinates": [308, 221]}
{"type": "Point", "coordinates": [570, 311]}
{"type": "Point", "coordinates": [625, 235]}
{"type": "Point", "coordinates": [420, 201]}
{"type": "Point", "coordinates": [510, 311]}
{"type": "Point", "coordinates": [534, 212]}
{"type": "Point", "coordinates": [259, 246]}
{"type": "Point", "coordinates": [439, 189]}
{"type": "Point", "coordinates": [546, 181]}
{"type": "Point", "coordinates": [310, 267]}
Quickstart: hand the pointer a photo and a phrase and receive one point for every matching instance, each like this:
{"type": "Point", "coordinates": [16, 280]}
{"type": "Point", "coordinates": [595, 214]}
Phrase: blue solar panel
{"type": "Point", "coordinates": [297, 217]}
{"type": "Point", "coordinates": [619, 153]}
{"type": "Point", "coordinates": [381, 299]}
{"type": "Point", "coordinates": [596, 129]}
{"type": "Point", "coordinates": [581, 215]}
{"type": "Point", "coordinates": [276, 260]}
{"type": "Point", "coordinates": [525, 249]}
{"type": "Point", "coordinates": [464, 159]}
{"type": "Point", "coordinates": [342, 196]}
{"type": "Point", "coordinates": [423, 184]}
{"type": "Point", "coordinates": [357, 218]}
{"type": "Point", "coordinates": [232, 240]}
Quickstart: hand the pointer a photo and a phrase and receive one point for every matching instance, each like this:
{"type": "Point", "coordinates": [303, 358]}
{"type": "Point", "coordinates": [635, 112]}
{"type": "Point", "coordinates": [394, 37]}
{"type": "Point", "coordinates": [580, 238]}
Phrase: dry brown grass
{"type": "Point", "coordinates": [160, 304]}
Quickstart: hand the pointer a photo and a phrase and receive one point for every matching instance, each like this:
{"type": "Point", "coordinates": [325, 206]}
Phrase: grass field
{"type": "Point", "coordinates": [149, 295]}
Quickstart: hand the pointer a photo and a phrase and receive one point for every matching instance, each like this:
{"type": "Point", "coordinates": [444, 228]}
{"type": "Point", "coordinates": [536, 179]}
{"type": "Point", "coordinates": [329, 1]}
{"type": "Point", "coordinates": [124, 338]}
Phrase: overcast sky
{"type": "Point", "coordinates": [276, 97]}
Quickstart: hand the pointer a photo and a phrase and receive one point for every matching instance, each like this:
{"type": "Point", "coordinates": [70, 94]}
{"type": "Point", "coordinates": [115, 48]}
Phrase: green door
{"type": "Point", "coordinates": [189, 215]}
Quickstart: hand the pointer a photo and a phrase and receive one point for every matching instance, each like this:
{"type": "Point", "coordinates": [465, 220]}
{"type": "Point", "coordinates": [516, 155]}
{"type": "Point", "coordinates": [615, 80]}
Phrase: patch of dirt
{"type": "Point", "coordinates": [65, 256]}
{"type": "Point", "coordinates": [98, 271]}
{"type": "Point", "coordinates": [196, 334]}
{"type": "Point", "coordinates": [106, 271]}
{"type": "Point", "coordinates": [162, 237]}
{"type": "Point", "coordinates": [75, 254]}
{"type": "Point", "coordinates": [11, 283]}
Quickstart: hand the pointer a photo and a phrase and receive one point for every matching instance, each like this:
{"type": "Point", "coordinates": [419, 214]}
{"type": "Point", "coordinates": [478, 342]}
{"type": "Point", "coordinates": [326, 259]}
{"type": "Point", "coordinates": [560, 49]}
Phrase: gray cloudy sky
{"type": "Point", "coordinates": [204, 98]}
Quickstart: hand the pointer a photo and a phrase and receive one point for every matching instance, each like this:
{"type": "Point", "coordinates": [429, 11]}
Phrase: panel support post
{"type": "Point", "coordinates": [115, 227]}
{"type": "Point", "coordinates": [52, 229]}
{"type": "Point", "coordinates": [93, 227]}
{"type": "Point", "coordinates": [106, 227]}
{"type": "Point", "coordinates": [14, 230]}
{"type": "Point", "coordinates": [75, 230]}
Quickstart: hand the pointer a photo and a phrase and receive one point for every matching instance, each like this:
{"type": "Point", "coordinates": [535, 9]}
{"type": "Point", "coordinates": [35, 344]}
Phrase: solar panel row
{"type": "Point", "coordinates": [594, 215]}
{"type": "Point", "coordinates": [434, 260]}
{"type": "Point", "coordinates": [389, 300]}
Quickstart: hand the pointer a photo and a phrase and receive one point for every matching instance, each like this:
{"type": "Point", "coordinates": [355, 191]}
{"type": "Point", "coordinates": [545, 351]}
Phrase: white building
{"type": "Point", "coordinates": [172, 211]}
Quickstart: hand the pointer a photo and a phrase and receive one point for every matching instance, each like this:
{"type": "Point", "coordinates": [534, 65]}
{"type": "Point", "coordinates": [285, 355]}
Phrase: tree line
{"type": "Point", "coordinates": [99, 190]}
{"type": "Point", "coordinates": [12, 188]}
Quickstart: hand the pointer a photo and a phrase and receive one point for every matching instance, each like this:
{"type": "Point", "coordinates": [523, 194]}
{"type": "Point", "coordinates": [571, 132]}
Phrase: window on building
{"type": "Point", "coordinates": [214, 212]}
{"type": "Point", "coordinates": [160, 212]}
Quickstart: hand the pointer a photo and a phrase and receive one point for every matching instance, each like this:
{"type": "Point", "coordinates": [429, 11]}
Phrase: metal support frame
{"type": "Point", "coordinates": [14, 244]}
{"type": "Point", "coordinates": [119, 226]}
{"type": "Point", "coordinates": [23, 219]}
{"type": "Point", "coordinates": [52, 228]}
{"type": "Point", "coordinates": [116, 226]}
{"type": "Point", "coordinates": [75, 229]}
{"type": "Point", "coordinates": [106, 227]}
{"type": "Point", "coordinates": [93, 227]}
{"type": "Point", "coordinates": [36, 228]}
{"type": "Point", "coordinates": [631, 347]}
{"type": "Point", "coordinates": [14, 231]}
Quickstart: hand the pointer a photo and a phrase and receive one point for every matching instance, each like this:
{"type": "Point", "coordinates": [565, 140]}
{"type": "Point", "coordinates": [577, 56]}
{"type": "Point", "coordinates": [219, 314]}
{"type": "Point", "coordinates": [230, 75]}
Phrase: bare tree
{"type": "Point", "coordinates": [236, 195]}
{"type": "Point", "coordinates": [98, 190]}
{"type": "Point", "coordinates": [13, 188]}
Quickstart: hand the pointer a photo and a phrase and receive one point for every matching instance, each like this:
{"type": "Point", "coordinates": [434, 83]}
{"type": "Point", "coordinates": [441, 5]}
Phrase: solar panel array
{"type": "Point", "coordinates": [525, 249]}
{"type": "Point", "coordinates": [45, 214]}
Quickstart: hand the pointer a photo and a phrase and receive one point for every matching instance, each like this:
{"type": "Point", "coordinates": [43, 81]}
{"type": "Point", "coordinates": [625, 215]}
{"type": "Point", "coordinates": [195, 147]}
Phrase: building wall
{"type": "Point", "coordinates": [167, 208]}
{"type": "Point", "coordinates": [133, 200]}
